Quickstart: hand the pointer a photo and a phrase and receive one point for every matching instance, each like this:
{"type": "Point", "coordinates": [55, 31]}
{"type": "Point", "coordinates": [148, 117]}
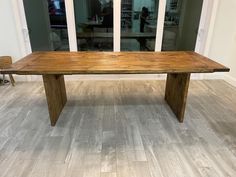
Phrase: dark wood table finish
{"type": "Point", "coordinates": [54, 65]}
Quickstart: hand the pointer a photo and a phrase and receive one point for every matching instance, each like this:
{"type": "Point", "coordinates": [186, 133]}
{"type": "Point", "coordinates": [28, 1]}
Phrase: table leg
{"type": "Point", "coordinates": [176, 93]}
{"type": "Point", "coordinates": [3, 79]}
{"type": "Point", "coordinates": [56, 95]}
{"type": "Point", "coordinates": [12, 80]}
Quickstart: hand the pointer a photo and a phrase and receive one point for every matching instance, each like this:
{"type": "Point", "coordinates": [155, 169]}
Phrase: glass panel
{"type": "Point", "coordinates": [94, 24]}
{"type": "Point", "coordinates": [138, 24]}
{"type": "Point", "coordinates": [46, 21]}
{"type": "Point", "coordinates": [181, 24]}
{"type": "Point", "coordinates": [59, 33]}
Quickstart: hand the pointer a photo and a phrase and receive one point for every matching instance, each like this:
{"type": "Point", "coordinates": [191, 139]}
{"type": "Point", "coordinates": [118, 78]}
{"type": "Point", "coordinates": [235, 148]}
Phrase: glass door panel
{"type": "Point", "coordinates": [94, 24]}
{"type": "Point", "coordinates": [138, 24]}
{"type": "Point", "coordinates": [182, 19]}
{"type": "Point", "coordinates": [47, 25]}
{"type": "Point", "coordinates": [59, 33]}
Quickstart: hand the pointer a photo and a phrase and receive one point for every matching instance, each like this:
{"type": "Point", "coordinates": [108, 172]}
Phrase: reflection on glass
{"type": "Point", "coordinates": [94, 24]}
{"type": "Point", "coordinates": [138, 24]}
{"type": "Point", "coordinates": [46, 22]}
{"type": "Point", "coordinates": [58, 24]}
{"type": "Point", "coordinates": [181, 25]}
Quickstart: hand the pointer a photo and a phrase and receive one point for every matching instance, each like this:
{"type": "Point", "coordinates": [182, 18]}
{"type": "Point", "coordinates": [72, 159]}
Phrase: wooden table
{"type": "Point", "coordinates": [54, 65]}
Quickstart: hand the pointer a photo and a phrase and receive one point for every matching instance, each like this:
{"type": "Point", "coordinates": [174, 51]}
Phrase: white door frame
{"type": "Point", "coordinates": [205, 30]}
{"type": "Point", "coordinates": [213, 4]}
{"type": "Point", "coordinates": [206, 25]}
{"type": "Point", "coordinates": [116, 25]}
{"type": "Point", "coordinates": [71, 27]}
{"type": "Point", "coordinates": [22, 29]}
{"type": "Point", "coordinates": [160, 25]}
{"type": "Point", "coordinates": [21, 25]}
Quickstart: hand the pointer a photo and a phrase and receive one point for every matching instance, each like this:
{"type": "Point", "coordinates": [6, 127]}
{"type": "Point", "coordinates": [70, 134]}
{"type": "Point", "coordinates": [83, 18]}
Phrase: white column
{"type": "Point", "coordinates": [160, 24]}
{"type": "Point", "coordinates": [22, 31]}
{"type": "Point", "coordinates": [70, 17]}
{"type": "Point", "coordinates": [215, 5]}
{"type": "Point", "coordinates": [116, 26]}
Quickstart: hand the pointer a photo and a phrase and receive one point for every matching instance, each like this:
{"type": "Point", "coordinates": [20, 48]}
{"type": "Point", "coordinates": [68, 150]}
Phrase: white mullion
{"type": "Point", "coordinates": [21, 26]}
{"type": "Point", "coordinates": [215, 7]}
{"type": "Point", "coordinates": [207, 12]}
{"type": "Point", "coordinates": [116, 25]}
{"type": "Point", "coordinates": [160, 24]}
{"type": "Point", "coordinates": [71, 28]}
{"type": "Point", "coordinates": [22, 29]}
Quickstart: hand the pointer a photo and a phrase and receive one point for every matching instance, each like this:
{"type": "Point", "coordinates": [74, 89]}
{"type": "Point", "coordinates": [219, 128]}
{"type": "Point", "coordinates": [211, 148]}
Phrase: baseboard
{"type": "Point", "coordinates": [211, 76]}
{"type": "Point", "coordinates": [224, 76]}
{"type": "Point", "coordinates": [116, 77]}
{"type": "Point", "coordinates": [231, 80]}
{"type": "Point", "coordinates": [97, 77]}
{"type": "Point", "coordinates": [20, 78]}
{"type": "Point", "coordinates": [112, 77]}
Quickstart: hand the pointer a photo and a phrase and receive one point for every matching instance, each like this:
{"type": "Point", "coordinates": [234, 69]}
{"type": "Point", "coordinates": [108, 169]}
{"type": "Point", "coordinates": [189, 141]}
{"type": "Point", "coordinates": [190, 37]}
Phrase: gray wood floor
{"type": "Point", "coordinates": [118, 129]}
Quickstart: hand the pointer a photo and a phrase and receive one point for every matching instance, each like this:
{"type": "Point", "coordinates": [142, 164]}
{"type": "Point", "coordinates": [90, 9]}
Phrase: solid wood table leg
{"type": "Point", "coordinates": [3, 79]}
{"type": "Point", "coordinates": [12, 80]}
{"type": "Point", "coordinates": [176, 93]}
{"type": "Point", "coordinates": [56, 95]}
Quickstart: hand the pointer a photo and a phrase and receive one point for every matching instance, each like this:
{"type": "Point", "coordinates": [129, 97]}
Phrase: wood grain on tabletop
{"type": "Point", "coordinates": [114, 63]}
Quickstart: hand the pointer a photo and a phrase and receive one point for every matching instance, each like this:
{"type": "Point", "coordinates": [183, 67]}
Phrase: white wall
{"type": "Point", "coordinates": [223, 41]}
{"type": "Point", "coordinates": [9, 41]}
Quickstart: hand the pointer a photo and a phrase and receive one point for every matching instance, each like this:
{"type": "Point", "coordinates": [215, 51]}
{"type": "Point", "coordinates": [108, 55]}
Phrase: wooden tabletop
{"type": "Point", "coordinates": [40, 63]}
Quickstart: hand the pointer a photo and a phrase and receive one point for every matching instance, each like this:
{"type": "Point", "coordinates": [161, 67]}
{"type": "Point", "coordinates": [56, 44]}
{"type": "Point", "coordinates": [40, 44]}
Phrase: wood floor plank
{"type": "Point", "coordinates": [108, 175]}
{"type": "Point", "coordinates": [108, 154]}
{"type": "Point", "coordinates": [118, 129]}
